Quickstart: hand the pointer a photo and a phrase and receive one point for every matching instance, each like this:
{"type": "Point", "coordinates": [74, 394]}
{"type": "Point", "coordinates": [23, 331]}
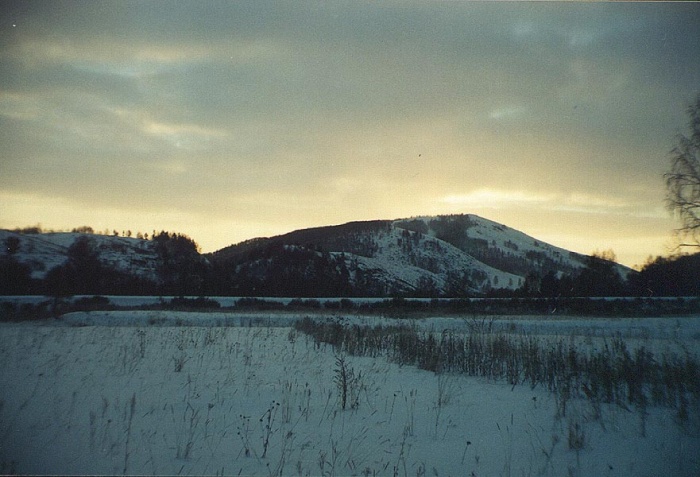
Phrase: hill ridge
{"type": "Point", "coordinates": [443, 255]}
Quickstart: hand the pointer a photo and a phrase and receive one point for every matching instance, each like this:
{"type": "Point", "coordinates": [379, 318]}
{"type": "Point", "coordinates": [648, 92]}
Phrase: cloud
{"type": "Point", "coordinates": [493, 198]}
{"type": "Point", "coordinates": [572, 202]}
{"type": "Point", "coordinates": [341, 111]}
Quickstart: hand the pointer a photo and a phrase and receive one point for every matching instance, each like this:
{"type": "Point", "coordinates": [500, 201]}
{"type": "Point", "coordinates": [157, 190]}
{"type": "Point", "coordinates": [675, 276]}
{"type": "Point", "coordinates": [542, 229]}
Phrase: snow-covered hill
{"type": "Point", "coordinates": [448, 255]}
{"type": "Point", "coordinates": [43, 251]}
{"type": "Point", "coordinates": [496, 244]}
{"type": "Point", "coordinates": [453, 255]}
{"type": "Point", "coordinates": [407, 260]}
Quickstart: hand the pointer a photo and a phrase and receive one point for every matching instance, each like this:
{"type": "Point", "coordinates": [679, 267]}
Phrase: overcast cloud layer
{"type": "Point", "coordinates": [229, 120]}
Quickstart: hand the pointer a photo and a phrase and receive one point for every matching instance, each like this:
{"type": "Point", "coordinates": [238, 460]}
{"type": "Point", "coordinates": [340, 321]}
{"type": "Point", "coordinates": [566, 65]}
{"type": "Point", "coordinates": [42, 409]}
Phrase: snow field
{"type": "Point", "coordinates": [264, 401]}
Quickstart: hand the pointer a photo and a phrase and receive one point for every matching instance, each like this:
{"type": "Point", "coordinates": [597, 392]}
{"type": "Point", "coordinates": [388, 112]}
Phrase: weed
{"type": "Point", "coordinates": [267, 421]}
{"type": "Point", "coordinates": [444, 395]}
{"type": "Point", "coordinates": [576, 435]}
{"type": "Point", "coordinates": [132, 409]}
{"type": "Point", "coordinates": [93, 429]}
{"type": "Point", "coordinates": [244, 434]}
{"type": "Point", "coordinates": [179, 361]}
{"type": "Point", "coordinates": [410, 401]}
{"type": "Point", "coordinates": [285, 452]}
{"type": "Point", "coordinates": [305, 407]}
{"type": "Point", "coordinates": [507, 446]}
{"type": "Point", "coordinates": [187, 424]}
{"type": "Point", "coordinates": [611, 375]}
{"type": "Point", "coordinates": [348, 384]}
{"type": "Point", "coordinates": [404, 450]}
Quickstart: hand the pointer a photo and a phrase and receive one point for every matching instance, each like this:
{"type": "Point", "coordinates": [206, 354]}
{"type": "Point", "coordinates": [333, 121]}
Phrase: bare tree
{"type": "Point", "coordinates": [683, 181]}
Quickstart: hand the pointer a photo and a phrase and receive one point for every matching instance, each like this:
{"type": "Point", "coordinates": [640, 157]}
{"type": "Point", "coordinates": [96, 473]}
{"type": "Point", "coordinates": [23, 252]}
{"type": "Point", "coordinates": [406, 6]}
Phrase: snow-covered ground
{"type": "Point", "coordinates": [178, 393]}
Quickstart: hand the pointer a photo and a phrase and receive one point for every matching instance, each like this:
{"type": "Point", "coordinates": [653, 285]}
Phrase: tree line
{"type": "Point", "coordinates": [83, 229]}
{"type": "Point", "coordinates": [179, 270]}
{"type": "Point", "coordinates": [661, 276]}
{"type": "Point", "coordinates": [306, 271]}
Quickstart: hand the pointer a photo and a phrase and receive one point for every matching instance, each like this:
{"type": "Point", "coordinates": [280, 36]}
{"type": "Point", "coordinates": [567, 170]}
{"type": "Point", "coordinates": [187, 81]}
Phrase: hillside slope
{"type": "Point", "coordinates": [455, 255]}
{"type": "Point", "coordinates": [44, 251]}
{"type": "Point", "coordinates": [447, 255]}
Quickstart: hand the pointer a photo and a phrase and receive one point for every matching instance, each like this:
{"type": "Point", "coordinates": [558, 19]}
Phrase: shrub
{"type": "Point", "coordinates": [24, 312]}
{"type": "Point", "coordinates": [91, 303]}
{"type": "Point", "coordinates": [612, 375]}
{"type": "Point", "coordinates": [348, 384]}
{"type": "Point", "coordinates": [194, 303]}
{"type": "Point", "coordinates": [577, 435]}
{"type": "Point", "coordinates": [258, 304]}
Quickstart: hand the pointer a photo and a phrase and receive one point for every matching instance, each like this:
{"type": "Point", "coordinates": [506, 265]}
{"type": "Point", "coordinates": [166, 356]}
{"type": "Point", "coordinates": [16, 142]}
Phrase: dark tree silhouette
{"type": "Point", "coordinates": [12, 245]}
{"type": "Point", "coordinates": [15, 277]}
{"type": "Point", "coordinates": [668, 276]}
{"type": "Point", "coordinates": [683, 180]}
{"type": "Point", "coordinates": [600, 277]}
{"type": "Point", "coordinates": [82, 273]}
{"type": "Point", "coordinates": [181, 268]}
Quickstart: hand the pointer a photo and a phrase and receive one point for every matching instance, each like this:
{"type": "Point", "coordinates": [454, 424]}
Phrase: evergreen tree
{"type": "Point", "coordinates": [600, 277]}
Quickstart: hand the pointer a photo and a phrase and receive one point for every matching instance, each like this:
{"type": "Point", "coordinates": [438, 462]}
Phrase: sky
{"type": "Point", "coordinates": [231, 120]}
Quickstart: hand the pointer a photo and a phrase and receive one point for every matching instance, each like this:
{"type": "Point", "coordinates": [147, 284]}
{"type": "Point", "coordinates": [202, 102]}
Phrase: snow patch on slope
{"type": "Point", "coordinates": [42, 252]}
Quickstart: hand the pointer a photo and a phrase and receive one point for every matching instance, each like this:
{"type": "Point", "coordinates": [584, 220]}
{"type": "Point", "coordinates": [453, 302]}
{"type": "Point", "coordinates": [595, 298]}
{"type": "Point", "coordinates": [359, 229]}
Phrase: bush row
{"type": "Point", "coordinates": [399, 307]}
{"type": "Point", "coordinates": [611, 375]}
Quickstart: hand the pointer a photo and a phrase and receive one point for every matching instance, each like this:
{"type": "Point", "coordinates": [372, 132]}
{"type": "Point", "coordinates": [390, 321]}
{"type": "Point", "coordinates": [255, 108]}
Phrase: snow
{"type": "Point", "coordinates": [427, 257]}
{"type": "Point", "coordinates": [42, 252]}
{"type": "Point", "coordinates": [88, 395]}
{"type": "Point", "coordinates": [403, 264]}
{"type": "Point", "coordinates": [443, 255]}
{"type": "Point", "coordinates": [510, 240]}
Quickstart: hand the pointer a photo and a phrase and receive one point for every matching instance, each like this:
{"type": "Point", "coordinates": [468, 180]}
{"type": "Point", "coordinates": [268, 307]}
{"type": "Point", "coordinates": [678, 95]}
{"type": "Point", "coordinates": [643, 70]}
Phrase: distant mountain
{"type": "Point", "coordinates": [454, 255]}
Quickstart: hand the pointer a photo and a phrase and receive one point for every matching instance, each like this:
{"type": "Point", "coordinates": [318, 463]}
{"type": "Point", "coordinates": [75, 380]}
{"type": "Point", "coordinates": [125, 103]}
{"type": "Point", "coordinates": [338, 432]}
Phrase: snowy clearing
{"type": "Point", "coordinates": [227, 394]}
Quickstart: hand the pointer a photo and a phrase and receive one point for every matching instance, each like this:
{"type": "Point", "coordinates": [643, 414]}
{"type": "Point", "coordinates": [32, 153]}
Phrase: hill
{"type": "Point", "coordinates": [455, 255]}
{"type": "Point", "coordinates": [43, 251]}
